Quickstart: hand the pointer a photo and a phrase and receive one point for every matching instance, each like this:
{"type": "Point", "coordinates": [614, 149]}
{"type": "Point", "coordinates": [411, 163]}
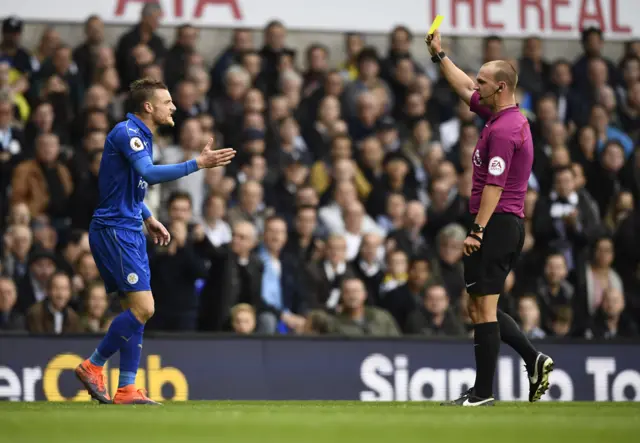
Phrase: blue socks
{"type": "Point", "coordinates": [130, 358]}
{"type": "Point", "coordinates": [124, 334]}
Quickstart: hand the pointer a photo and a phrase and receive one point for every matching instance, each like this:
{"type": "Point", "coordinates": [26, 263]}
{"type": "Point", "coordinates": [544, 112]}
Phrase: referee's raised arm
{"type": "Point", "coordinates": [459, 81]}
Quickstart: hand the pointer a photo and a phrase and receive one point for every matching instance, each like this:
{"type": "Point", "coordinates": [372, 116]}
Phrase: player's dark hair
{"type": "Point", "coordinates": [142, 90]}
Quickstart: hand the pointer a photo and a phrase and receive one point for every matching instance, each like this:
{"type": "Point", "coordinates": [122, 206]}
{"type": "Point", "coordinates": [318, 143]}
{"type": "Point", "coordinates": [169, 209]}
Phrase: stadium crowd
{"type": "Point", "coordinates": [345, 210]}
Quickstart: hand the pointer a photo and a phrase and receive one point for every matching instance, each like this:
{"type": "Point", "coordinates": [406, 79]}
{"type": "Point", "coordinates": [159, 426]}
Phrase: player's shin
{"type": "Point", "coordinates": [486, 345]}
{"type": "Point", "coordinates": [130, 358]}
{"type": "Point", "coordinates": [513, 336]}
{"type": "Point", "coordinates": [121, 331]}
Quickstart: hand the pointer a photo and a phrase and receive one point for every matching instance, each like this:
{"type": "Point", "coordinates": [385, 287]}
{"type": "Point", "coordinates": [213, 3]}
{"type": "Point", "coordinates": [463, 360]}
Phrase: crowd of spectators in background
{"type": "Point", "coordinates": [345, 210]}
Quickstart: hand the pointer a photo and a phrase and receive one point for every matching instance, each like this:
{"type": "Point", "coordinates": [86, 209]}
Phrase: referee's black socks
{"type": "Point", "coordinates": [486, 347]}
{"type": "Point", "coordinates": [512, 335]}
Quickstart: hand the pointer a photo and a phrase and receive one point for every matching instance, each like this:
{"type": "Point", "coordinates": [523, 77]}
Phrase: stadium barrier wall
{"type": "Point", "coordinates": [175, 367]}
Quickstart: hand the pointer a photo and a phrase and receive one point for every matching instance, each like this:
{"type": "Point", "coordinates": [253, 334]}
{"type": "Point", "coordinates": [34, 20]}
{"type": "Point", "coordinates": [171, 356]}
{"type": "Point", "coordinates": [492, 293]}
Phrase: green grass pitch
{"type": "Point", "coordinates": [326, 422]}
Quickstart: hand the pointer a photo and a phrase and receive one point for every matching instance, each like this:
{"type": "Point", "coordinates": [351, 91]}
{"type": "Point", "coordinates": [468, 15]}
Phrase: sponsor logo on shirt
{"type": "Point", "coordinates": [136, 144]}
{"type": "Point", "coordinates": [132, 278]}
{"type": "Point", "coordinates": [496, 166]}
{"type": "Point", "coordinates": [476, 158]}
{"type": "Point", "coordinates": [143, 184]}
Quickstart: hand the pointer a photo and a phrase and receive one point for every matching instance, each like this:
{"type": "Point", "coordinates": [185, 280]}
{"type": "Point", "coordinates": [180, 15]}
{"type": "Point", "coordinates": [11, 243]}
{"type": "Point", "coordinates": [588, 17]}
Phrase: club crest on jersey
{"type": "Point", "coordinates": [132, 278]}
{"type": "Point", "coordinates": [496, 166]}
{"type": "Point", "coordinates": [476, 158]}
{"type": "Point", "coordinates": [136, 144]}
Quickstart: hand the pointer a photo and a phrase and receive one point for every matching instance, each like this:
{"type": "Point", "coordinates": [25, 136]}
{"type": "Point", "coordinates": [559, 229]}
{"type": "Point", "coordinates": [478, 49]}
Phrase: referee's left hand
{"type": "Point", "coordinates": [472, 245]}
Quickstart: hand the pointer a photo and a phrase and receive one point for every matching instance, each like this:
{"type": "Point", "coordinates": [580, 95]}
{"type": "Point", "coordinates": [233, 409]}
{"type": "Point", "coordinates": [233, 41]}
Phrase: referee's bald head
{"type": "Point", "coordinates": [503, 71]}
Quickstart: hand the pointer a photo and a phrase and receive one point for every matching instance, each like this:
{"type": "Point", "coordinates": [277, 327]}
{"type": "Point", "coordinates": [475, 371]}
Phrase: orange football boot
{"type": "Point", "coordinates": [93, 379]}
{"type": "Point", "coordinates": [129, 395]}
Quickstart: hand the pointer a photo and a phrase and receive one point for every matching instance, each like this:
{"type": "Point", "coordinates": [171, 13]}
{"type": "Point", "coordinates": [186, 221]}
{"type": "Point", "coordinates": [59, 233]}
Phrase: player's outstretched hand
{"type": "Point", "coordinates": [157, 232]}
{"type": "Point", "coordinates": [433, 42]}
{"type": "Point", "coordinates": [210, 158]}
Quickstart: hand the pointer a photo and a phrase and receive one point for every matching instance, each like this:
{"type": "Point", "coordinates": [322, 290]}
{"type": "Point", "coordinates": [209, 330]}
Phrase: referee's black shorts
{"type": "Point", "coordinates": [486, 269]}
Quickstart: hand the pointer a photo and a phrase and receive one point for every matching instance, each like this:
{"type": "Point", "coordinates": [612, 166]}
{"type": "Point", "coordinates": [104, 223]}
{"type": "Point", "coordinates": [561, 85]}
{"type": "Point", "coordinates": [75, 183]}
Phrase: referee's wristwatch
{"type": "Point", "coordinates": [477, 229]}
{"type": "Point", "coordinates": [438, 57]}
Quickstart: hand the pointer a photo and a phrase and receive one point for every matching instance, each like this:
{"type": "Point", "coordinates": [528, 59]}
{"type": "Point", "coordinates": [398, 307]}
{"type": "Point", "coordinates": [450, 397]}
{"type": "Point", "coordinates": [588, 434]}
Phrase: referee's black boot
{"type": "Point", "coordinates": [539, 376]}
{"type": "Point", "coordinates": [469, 399]}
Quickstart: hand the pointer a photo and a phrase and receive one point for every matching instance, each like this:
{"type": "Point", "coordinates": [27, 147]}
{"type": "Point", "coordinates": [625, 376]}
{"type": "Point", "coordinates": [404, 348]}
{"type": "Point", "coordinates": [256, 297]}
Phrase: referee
{"type": "Point", "coordinates": [502, 162]}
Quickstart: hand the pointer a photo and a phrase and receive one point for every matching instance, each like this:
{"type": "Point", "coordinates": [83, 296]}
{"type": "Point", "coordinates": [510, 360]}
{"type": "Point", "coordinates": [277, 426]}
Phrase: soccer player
{"type": "Point", "coordinates": [502, 163]}
{"type": "Point", "coordinates": [117, 242]}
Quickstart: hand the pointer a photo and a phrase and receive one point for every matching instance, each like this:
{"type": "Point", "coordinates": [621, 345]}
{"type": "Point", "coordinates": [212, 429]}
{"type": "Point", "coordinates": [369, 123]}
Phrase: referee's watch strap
{"type": "Point", "coordinates": [475, 237]}
{"type": "Point", "coordinates": [438, 57]}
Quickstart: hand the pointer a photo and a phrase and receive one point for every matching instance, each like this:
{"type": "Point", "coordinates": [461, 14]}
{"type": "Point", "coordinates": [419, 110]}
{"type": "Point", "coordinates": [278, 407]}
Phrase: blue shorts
{"type": "Point", "coordinates": [121, 257]}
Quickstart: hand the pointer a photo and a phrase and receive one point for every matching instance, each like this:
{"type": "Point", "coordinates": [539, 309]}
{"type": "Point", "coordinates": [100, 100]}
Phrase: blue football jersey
{"type": "Point", "coordinates": [122, 189]}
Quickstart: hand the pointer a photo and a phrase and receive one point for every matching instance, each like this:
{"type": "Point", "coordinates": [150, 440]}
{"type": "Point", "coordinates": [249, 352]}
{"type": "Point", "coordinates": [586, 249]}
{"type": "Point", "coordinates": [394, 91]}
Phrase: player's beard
{"type": "Point", "coordinates": [167, 122]}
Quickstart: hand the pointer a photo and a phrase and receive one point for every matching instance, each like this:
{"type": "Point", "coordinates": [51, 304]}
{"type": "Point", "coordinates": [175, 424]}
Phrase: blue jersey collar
{"type": "Point", "coordinates": [139, 124]}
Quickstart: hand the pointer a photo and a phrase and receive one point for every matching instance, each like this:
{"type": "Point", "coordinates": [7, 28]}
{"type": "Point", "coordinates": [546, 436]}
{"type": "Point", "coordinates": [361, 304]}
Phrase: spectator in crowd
{"type": "Point", "coordinates": [84, 54]}
{"type": "Point", "coordinates": [96, 317]}
{"type": "Point", "coordinates": [10, 318]}
{"type": "Point", "coordinates": [354, 43]}
{"type": "Point", "coordinates": [32, 287]}
{"type": "Point", "coordinates": [216, 230]}
{"type": "Point", "coordinates": [318, 323]}
{"type": "Point", "coordinates": [11, 47]}
{"type": "Point", "coordinates": [403, 300]}
{"type": "Point", "coordinates": [142, 38]}
{"type": "Point", "coordinates": [592, 44]}
{"type": "Point", "coordinates": [243, 319]}
{"type": "Point", "coordinates": [450, 249]}
{"type": "Point", "coordinates": [565, 221]}
{"type": "Point", "coordinates": [18, 241]}
{"type": "Point", "coordinates": [356, 318]}
{"type": "Point", "coordinates": [241, 43]}
{"type": "Point", "coordinates": [53, 314]}
{"type": "Point", "coordinates": [553, 290]}
{"type": "Point", "coordinates": [176, 60]}
{"type": "Point", "coordinates": [598, 276]}
{"type": "Point", "coordinates": [234, 277]}
{"type": "Point", "coordinates": [251, 206]}
{"type": "Point", "coordinates": [529, 314]}
{"type": "Point", "coordinates": [368, 266]}
{"type": "Point", "coordinates": [11, 142]}
{"type": "Point", "coordinates": [45, 183]}
{"type": "Point", "coordinates": [610, 320]}
{"type": "Point", "coordinates": [325, 277]}
{"type": "Point", "coordinates": [562, 324]}
{"type": "Point", "coordinates": [174, 270]}
{"type": "Point", "coordinates": [435, 317]}
{"type": "Point", "coordinates": [283, 291]}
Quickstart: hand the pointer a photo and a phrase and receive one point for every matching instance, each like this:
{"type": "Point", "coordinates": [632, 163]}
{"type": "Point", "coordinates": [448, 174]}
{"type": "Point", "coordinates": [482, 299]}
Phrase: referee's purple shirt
{"type": "Point", "coordinates": [503, 157]}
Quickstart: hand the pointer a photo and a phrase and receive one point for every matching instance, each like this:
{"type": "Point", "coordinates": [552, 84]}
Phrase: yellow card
{"type": "Point", "coordinates": [436, 24]}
